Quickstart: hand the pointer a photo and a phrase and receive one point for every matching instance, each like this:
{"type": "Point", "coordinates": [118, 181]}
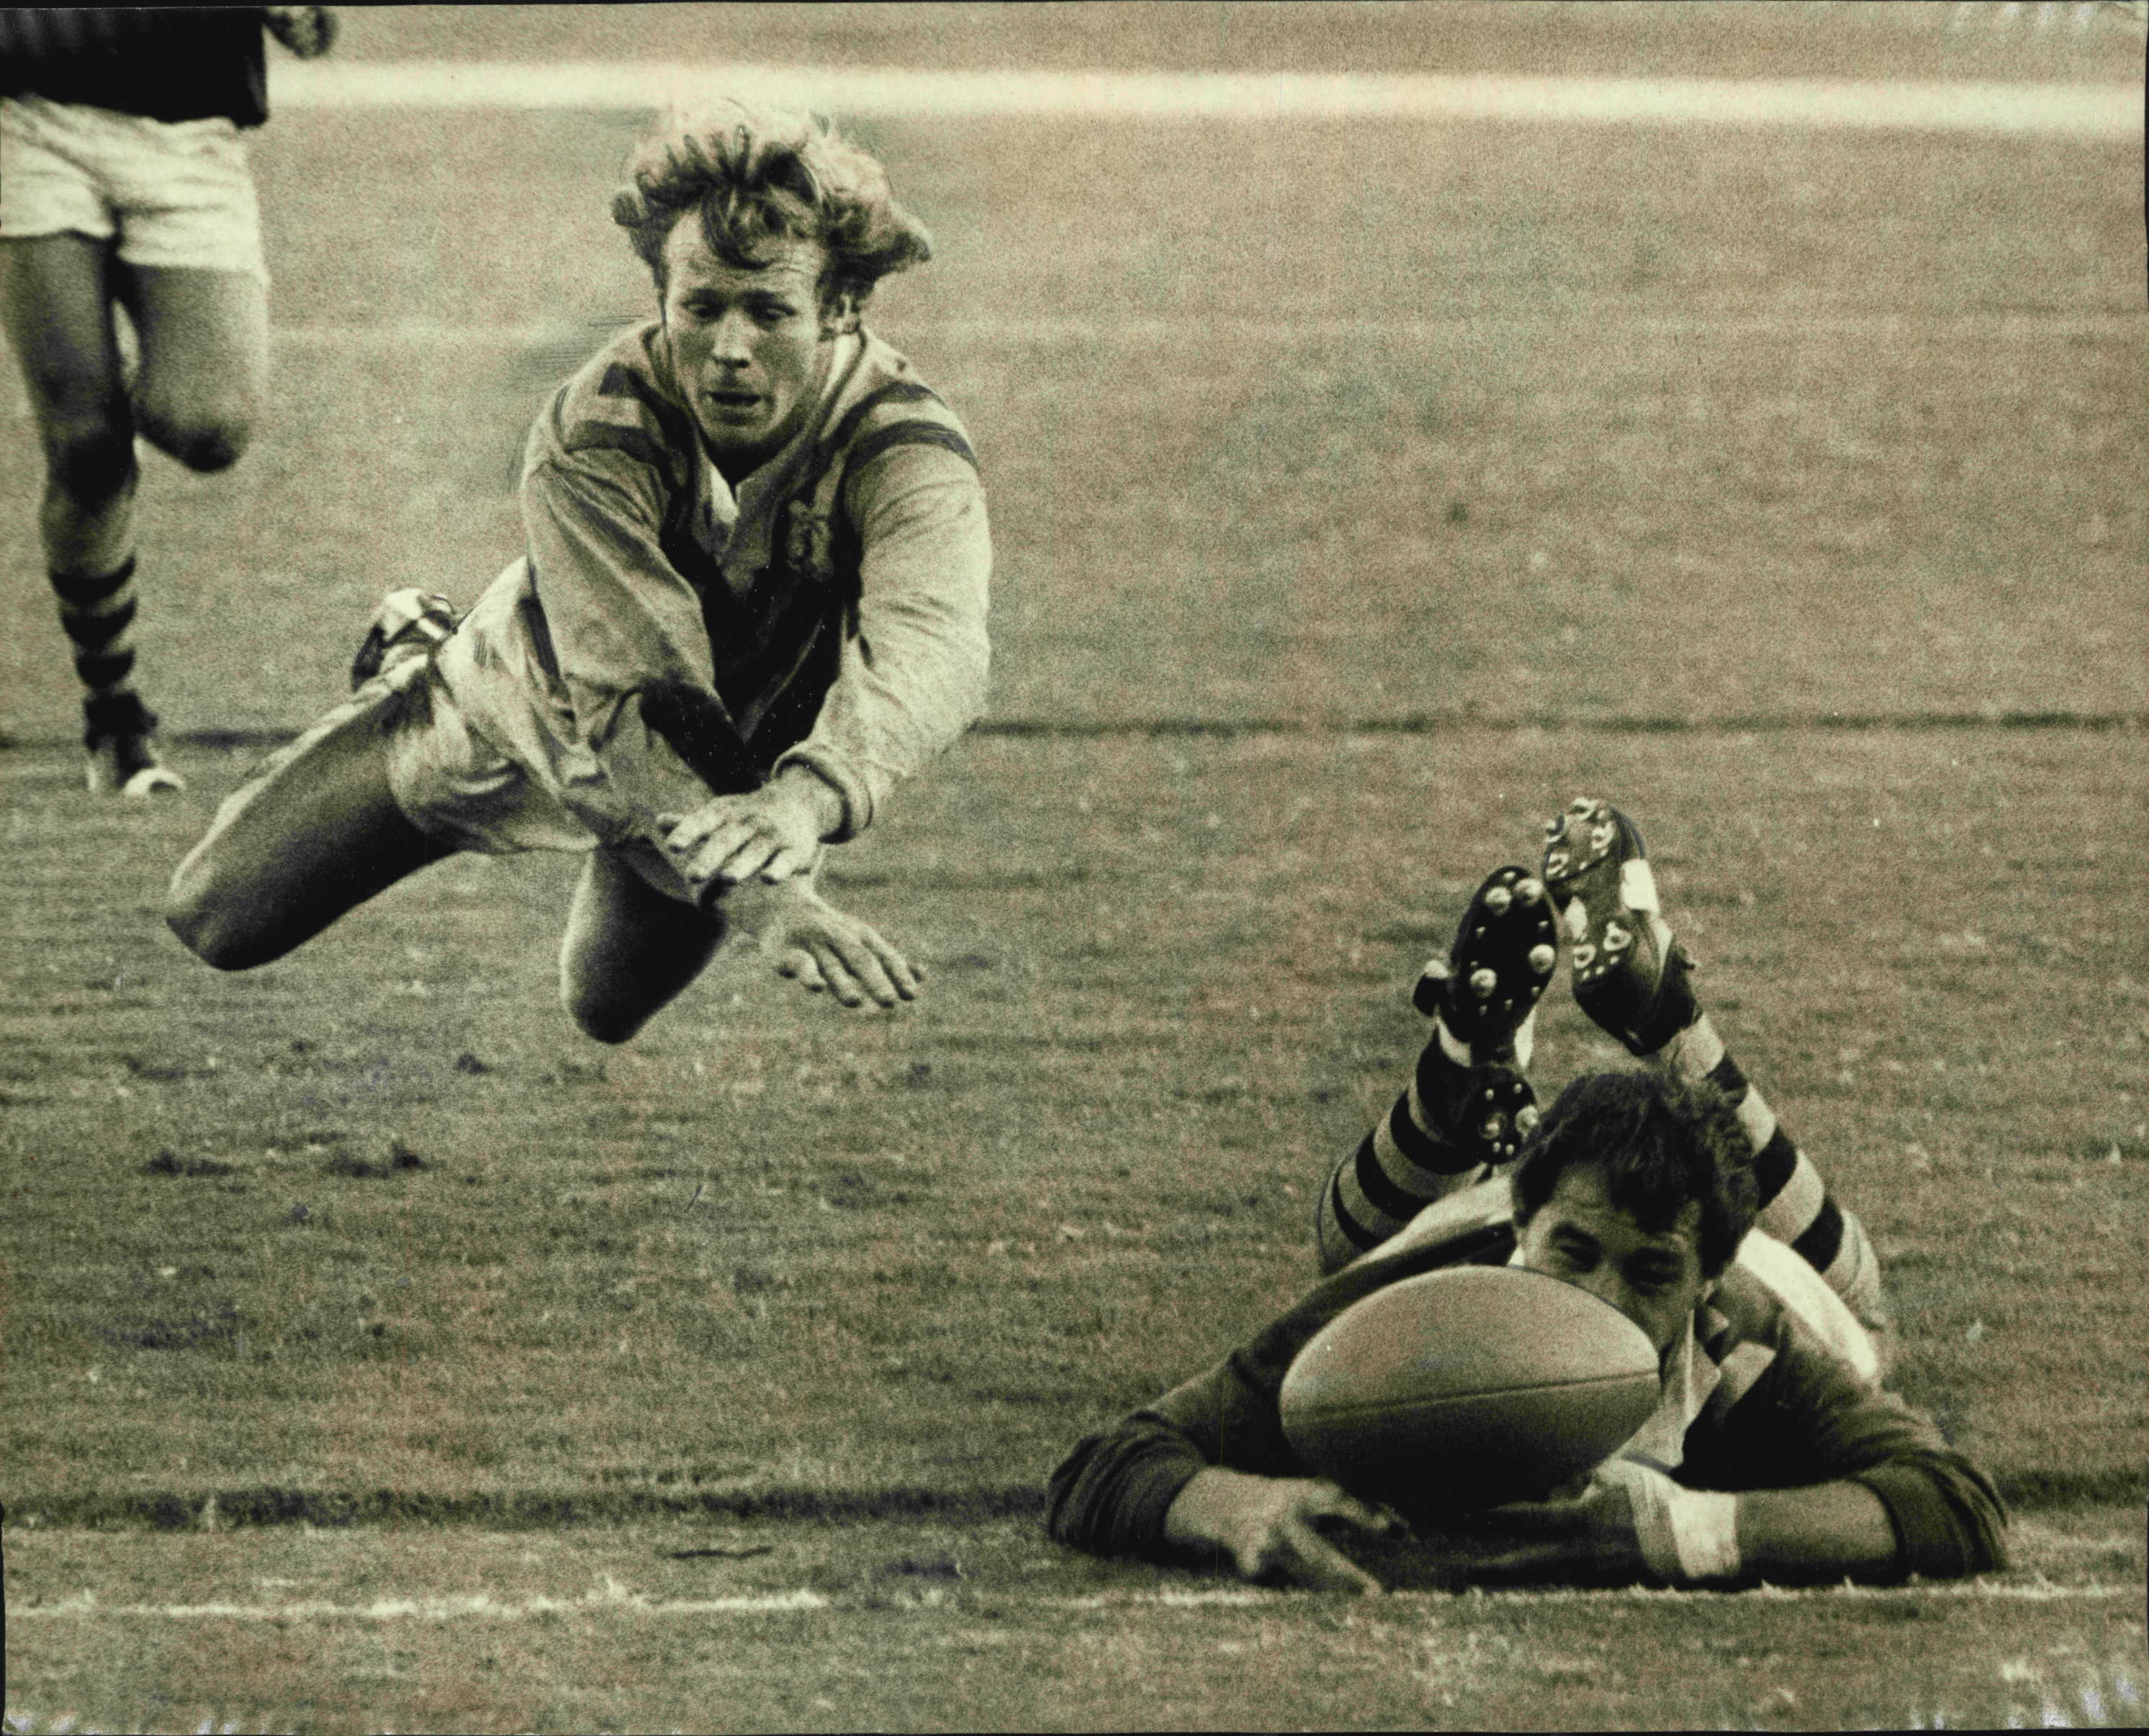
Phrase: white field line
{"type": "Point", "coordinates": [1966, 1591]}
{"type": "Point", "coordinates": [615, 1599]}
{"type": "Point", "coordinates": [1989, 326]}
{"type": "Point", "coordinates": [2071, 111]}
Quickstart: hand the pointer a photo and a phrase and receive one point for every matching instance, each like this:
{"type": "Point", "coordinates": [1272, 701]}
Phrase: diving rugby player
{"type": "Point", "coordinates": [752, 601]}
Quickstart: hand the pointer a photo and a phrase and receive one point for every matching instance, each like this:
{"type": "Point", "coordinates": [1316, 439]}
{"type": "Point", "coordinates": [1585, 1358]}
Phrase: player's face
{"type": "Point", "coordinates": [1654, 1279]}
{"type": "Point", "coordinates": [746, 342]}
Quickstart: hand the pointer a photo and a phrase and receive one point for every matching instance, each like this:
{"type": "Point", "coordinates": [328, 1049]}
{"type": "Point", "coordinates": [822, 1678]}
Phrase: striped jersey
{"type": "Point", "coordinates": [680, 638]}
{"type": "Point", "coordinates": [1753, 1399]}
{"type": "Point", "coordinates": [167, 64]}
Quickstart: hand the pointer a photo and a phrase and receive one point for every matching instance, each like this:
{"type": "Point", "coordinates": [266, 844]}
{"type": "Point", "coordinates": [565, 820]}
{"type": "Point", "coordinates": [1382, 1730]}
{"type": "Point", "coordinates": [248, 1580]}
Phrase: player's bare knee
{"type": "Point", "coordinates": [206, 439]}
{"type": "Point", "coordinates": [195, 924]}
{"type": "Point", "coordinates": [600, 1012]}
{"type": "Point", "coordinates": [604, 1021]}
{"type": "Point", "coordinates": [204, 920]}
{"type": "Point", "coordinates": [91, 457]}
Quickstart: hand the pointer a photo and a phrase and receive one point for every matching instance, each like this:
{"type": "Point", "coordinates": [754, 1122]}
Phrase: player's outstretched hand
{"type": "Point", "coordinates": [771, 834]}
{"type": "Point", "coordinates": [308, 32]}
{"type": "Point", "coordinates": [1277, 1529]}
{"type": "Point", "coordinates": [822, 948]}
{"type": "Point", "coordinates": [1586, 1539]}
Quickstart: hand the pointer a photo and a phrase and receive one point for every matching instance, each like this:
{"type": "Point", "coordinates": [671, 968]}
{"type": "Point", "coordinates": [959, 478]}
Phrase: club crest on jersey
{"type": "Point", "coordinates": [808, 543]}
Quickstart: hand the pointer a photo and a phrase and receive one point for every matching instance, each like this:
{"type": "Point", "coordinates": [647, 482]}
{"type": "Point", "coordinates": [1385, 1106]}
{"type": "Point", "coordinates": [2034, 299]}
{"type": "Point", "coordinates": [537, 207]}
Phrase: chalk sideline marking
{"type": "Point", "coordinates": [611, 1596]}
{"type": "Point", "coordinates": [2074, 111]}
{"type": "Point", "coordinates": [1970, 1591]}
{"type": "Point", "coordinates": [615, 1598]}
{"type": "Point", "coordinates": [1206, 329]}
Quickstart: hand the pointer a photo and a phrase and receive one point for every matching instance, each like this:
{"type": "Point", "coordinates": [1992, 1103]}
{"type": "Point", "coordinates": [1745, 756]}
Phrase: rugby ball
{"type": "Point", "coordinates": [1468, 1386]}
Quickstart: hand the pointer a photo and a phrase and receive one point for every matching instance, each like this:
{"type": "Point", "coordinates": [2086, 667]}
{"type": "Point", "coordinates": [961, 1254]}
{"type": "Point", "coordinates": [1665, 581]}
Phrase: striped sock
{"type": "Point", "coordinates": [98, 614]}
{"type": "Point", "coordinates": [1411, 1158]}
{"type": "Point", "coordinates": [1796, 1206]}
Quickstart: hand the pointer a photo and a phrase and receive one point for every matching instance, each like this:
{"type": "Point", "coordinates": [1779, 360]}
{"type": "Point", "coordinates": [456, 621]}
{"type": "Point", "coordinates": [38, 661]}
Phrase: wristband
{"type": "Point", "coordinates": [1705, 1531]}
{"type": "Point", "coordinates": [1685, 1535]}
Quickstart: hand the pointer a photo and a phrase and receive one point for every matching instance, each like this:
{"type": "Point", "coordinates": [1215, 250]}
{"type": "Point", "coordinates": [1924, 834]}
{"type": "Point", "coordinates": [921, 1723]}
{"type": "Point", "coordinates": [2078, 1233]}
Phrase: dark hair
{"type": "Point", "coordinates": [1658, 1143]}
{"type": "Point", "coordinates": [756, 175]}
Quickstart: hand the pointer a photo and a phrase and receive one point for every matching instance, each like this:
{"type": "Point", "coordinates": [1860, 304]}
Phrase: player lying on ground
{"type": "Point", "coordinates": [753, 599]}
{"type": "Point", "coordinates": [1469, 1095]}
{"type": "Point", "coordinates": [124, 182]}
{"type": "Point", "coordinates": [1774, 1453]}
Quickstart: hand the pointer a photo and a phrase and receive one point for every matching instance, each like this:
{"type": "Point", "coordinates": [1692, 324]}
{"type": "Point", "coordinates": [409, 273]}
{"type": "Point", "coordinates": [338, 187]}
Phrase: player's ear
{"type": "Point", "coordinates": [839, 314]}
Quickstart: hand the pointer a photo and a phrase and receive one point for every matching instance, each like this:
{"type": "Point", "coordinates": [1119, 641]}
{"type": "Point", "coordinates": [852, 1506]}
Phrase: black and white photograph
{"type": "Point", "coordinates": [1137, 864]}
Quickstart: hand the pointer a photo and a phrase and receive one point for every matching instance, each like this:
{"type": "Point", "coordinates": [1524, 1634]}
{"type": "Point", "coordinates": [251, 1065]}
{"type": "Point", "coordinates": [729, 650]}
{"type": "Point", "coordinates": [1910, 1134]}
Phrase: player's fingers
{"type": "Point", "coordinates": [1345, 1509]}
{"type": "Point", "coordinates": [1307, 1558]}
{"type": "Point", "coordinates": [900, 972]}
{"type": "Point", "coordinates": [837, 973]}
{"type": "Point", "coordinates": [860, 958]}
{"type": "Point", "coordinates": [731, 858]}
{"type": "Point", "coordinates": [798, 965]}
{"type": "Point", "coordinates": [788, 862]}
{"type": "Point", "coordinates": [683, 832]}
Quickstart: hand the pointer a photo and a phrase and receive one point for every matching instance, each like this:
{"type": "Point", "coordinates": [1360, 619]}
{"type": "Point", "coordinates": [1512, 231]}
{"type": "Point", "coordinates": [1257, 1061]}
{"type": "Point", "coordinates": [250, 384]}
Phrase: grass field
{"type": "Point", "coordinates": [382, 1354]}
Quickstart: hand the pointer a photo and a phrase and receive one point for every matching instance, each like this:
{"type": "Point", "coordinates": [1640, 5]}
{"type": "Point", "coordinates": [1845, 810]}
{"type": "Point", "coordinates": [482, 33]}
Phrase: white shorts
{"type": "Point", "coordinates": [455, 785]}
{"type": "Point", "coordinates": [174, 192]}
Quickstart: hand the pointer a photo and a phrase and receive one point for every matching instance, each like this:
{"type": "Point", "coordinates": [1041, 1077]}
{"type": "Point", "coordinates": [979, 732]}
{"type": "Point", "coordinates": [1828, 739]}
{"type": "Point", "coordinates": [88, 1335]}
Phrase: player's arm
{"type": "Point", "coordinates": [912, 678]}
{"type": "Point", "coordinates": [1206, 1474]}
{"type": "Point", "coordinates": [1153, 1488]}
{"type": "Point", "coordinates": [1813, 1474]}
{"type": "Point", "coordinates": [624, 635]}
{"type": "Point", "coordinates": [1810, 1429]}
{"type": "Point", "coordinates": [1830, 1531]}
{"type": "Point", "coordinates": [1631, 1523]}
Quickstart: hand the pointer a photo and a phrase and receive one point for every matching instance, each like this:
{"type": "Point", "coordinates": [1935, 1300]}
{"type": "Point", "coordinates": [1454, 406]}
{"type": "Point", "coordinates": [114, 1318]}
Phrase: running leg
{"type": "Point", "coordinates": [205, 360]}
{"type": "Point", "coordinates": [56, 295]}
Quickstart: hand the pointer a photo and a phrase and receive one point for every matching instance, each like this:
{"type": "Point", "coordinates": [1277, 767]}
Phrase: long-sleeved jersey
{"type": "Point", "coordinates": [167, 64]}
{"type": "Point", "coordinates": [1753, 1400]}
{"type": "Point", "coordinates": [667, 638]}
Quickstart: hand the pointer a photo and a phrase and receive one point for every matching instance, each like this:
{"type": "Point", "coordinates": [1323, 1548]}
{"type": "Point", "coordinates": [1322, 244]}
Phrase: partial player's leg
{"type": "Point", "coordinates": [313, 834]}
{"type": "Point", "coordinates": [57, 305]}
{"type": "Point", "coordinates": [56, 298]}
{"type": "Point", "coordinates": [1468, 1104]}
{"type": "Point", "coordinates": [631, 945]}
{"type": "Point", "coordinates": [205, 360]}
{"type": "Point", "coordinates": [1633, 978]}
{"type": "Point", "coordinates": [630, 950]}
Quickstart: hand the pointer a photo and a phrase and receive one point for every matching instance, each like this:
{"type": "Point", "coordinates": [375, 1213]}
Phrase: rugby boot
{"type": "Point", "coordinates": [1485, 993]}
{"type": "Point", "coordinates": [408, 623]}
{"type": "Point", "coordinates": [119, 732]}
{"type": "Point", "coordinates": [1629, 975]}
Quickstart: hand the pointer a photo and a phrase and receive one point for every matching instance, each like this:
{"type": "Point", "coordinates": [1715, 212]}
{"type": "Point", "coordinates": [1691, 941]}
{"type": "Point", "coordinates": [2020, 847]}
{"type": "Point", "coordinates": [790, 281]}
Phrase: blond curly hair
{"type": "Point", "coordinates": [756, 174]}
